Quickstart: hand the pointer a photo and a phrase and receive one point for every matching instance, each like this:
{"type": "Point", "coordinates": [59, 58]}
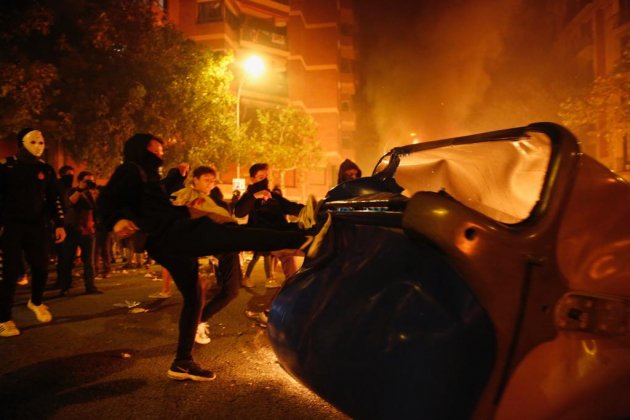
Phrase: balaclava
{"type": "Point", "coordinates": [31, 140]}
{"type": "Point", "coordinates": [135, 150]}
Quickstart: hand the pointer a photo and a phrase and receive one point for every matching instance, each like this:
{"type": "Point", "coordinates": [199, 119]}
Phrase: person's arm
{"type": "Point", "coordinates": [74, 197]}
{"type": "Point", "coordinates": [54, 204]}
{"type": "Point", "coordinates": [120, 196]}
{"type": "Point", "coordinates": [53, 198]}
{"type": "Point", "coordinates": [245, 204]}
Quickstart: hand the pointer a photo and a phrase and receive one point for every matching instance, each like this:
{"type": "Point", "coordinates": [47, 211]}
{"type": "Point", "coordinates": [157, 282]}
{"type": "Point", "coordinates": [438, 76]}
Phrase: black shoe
{"type": "Point", "coordinates": [187, 369]}
{"type": "Point", "coordinates": [93, 291]}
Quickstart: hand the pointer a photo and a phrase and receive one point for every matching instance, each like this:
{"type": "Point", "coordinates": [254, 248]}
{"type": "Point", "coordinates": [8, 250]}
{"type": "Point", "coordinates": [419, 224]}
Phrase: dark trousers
{"type": "Point", "coordinates": [31, 242]}
{"type": "Point", "coordinates": [177, 247]}
{"type": "Point", "coordinates": [228, 282]}
{"type": "Point", "coordinates": [103, 250]}
{"type": "Point", "coordinates": [266, 260]}
{"type": "Point", "coordinates": [75, 239]}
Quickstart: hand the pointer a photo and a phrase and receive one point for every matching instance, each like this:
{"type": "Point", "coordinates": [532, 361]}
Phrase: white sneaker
{"type": "Point", "coordinates": [41, 311]}
{"type": "Point", "coordinates": [8, 329]}
{"type": "Point", "coordinates": [202, 333]}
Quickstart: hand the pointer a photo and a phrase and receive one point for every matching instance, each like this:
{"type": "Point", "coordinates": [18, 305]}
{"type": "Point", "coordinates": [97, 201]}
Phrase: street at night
{"type": "Point", "coordinates": [99, 360]}
{"type": "Point", "coordinates": [441, 185]}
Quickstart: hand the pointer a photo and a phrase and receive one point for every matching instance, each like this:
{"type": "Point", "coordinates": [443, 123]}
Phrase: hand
{"type": "Point", "coordinates": [124, 228]}
{"type": "Point", "coordinates": [264, 194]}
{"type": "Point", "coordinates": [60, 235]}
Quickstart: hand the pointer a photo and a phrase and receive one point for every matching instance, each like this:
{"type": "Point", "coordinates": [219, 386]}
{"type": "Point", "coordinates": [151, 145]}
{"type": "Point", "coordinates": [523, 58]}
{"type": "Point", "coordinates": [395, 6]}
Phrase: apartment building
{"type": "Point", "coordinates": [309, 50]}
{"type": "Point", "coordinates": [593, 34]}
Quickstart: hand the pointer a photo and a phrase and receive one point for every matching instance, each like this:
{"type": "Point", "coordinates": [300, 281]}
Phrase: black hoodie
{"type": "Point", "coordinates": [345, 165]}
{"type": "Point", "coordinates": [28, 191]}
{"type": "Point", "coordinates": [134, 191]}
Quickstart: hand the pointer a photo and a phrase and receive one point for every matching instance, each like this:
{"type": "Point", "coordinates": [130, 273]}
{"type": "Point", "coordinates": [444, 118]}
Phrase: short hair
{"type": "Point", "coordinates": [83, 174]}
{"type": "Point", "coordinates": [203, 170]}
{"type": "Point", "coordinates": [256, 167]}
{"type": "Point", "coordinates": [65, 169]}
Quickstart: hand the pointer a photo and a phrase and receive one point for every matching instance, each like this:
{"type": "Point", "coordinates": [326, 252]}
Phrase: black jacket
{"type": "Point", "coordinates": [28, 191]}
{"type": "Point", "coordinates": [135, 192]}
{"type": "Point", "coordinates": [267, 214]}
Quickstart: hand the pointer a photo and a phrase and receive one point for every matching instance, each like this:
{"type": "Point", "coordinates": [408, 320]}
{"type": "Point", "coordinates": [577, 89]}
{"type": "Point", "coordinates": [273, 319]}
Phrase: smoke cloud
{"type": "Point", "coordinates": [451, 67]}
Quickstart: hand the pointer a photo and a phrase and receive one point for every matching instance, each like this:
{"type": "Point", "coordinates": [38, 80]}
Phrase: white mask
{"type": "Point", "coordinates": [33, 141]}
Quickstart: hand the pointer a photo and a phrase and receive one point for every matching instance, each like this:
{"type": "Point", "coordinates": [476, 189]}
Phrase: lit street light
{"type": "Point", "coordinates": [251, 68]}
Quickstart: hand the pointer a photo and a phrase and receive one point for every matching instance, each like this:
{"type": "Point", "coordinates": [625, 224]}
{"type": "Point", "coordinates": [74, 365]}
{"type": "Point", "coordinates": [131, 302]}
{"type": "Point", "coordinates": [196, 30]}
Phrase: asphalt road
{"type": "Point", "coordinates": [98, 359]}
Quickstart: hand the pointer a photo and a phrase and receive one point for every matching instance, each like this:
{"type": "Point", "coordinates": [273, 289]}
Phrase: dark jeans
{"type": "Point", "coordinates": [266, 261]}
{"type": "Point", "coordinates": [228, 281]}
{"type": "Point", "coordinates": [74, 239]}
{"type": "Point", "coordinates": [30, 241]}
{"type": "Point", "coordinates": [103, 250]}
{"type": "Point", "coordinates": [177, 247]}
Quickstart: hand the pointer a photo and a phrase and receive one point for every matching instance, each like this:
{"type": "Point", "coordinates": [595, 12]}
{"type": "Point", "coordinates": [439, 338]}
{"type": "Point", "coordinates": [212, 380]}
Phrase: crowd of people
{"type": "Point", "coordinates": [173, 221]}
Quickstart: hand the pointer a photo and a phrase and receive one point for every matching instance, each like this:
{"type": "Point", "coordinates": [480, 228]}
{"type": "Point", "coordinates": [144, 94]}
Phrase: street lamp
{"type": "Point", "coordinates": [251, 68]}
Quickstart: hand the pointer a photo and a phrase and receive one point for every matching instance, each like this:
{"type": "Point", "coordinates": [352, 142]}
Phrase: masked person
{"type": "Point", "coordinates": [29, 199]}
{"type": "Point", "coordinates": [80, 230]}
{"type": "Point", "coordinates": [134, 200]}
{"type": "Point", "coordinates": [267, 208]}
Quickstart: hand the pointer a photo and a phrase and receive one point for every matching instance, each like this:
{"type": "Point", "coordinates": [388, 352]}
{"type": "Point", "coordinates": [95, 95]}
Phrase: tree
{"type": "Point", "coordinates": [604, 109]}
{"type": "Point", "coordinates": [93, 72]}
{"type": "Point", "coordinates": [287, 136]}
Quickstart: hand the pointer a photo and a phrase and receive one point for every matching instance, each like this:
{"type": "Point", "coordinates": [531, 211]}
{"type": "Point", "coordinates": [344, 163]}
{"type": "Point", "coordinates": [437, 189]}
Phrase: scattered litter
{"type": "Point", "coordinates": [124, 355]}
{"type": "Point", "coordinates": [127, 304]}
{"type": "Point", "coordinates": [138, 310]}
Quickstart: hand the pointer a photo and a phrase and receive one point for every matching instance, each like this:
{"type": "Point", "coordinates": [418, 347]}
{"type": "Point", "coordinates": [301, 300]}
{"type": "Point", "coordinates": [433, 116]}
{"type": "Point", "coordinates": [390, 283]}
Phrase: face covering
{"type": "Point", "coordinates": [34, 143]}
{"type": "Point", "coordinates": [66, 180]}
{"type": "Point", "coordinates": [260, 185]}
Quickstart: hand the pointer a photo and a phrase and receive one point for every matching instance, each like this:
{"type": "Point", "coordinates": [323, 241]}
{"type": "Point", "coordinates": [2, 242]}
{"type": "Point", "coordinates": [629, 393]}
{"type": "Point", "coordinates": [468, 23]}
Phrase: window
{"type": "Point", "coordinates": [209, 11]}
{"type": "Point", "coordinates": [624, 11]}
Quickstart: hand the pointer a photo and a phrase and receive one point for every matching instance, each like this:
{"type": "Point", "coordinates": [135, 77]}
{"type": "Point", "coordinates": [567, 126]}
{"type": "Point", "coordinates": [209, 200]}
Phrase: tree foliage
{"type": "Point", "coordinates": [607, 99]}
{"type": "Point", "coordinates": [287, 137]}
{"type": "Point", "coordinates": [92, 72]}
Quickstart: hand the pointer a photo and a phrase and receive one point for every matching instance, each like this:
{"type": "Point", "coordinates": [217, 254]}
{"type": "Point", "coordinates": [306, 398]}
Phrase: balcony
{"type": "Point", "coordinates": [263, 36]}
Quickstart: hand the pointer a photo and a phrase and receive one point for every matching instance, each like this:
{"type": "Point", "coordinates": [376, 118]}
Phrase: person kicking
{"type": "Point", "coordinates": [134, 202]}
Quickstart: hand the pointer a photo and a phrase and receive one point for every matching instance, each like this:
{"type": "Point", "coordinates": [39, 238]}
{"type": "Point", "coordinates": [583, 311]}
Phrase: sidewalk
{"type": "Point", "coordinates": [100, 359]}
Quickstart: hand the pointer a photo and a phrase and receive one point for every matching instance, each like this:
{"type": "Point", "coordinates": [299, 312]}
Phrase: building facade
{"type": "Point", "coordinates": [309, 50]}
{"type": "Point", "coordinates": [593, 35]}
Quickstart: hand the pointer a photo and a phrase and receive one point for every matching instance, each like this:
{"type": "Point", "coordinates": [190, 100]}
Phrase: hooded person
{"type": "Point", "coordinates": [29, 201]}
{"type": "Point", "coordinates": [135, 200]}
{"type": "Point", "coordinates": [348, 170]}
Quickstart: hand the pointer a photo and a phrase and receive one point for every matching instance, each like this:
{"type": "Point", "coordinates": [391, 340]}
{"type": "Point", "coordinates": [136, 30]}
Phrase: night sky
{"type": "Point", "coordinates": [453, 67]}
